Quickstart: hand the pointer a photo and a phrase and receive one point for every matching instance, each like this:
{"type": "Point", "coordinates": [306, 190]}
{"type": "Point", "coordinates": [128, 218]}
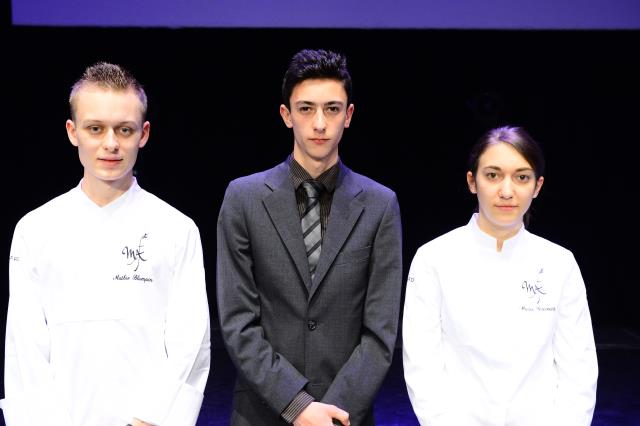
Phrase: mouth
{"type": "Point", "coordinates": [319, 141]}
{"type": "Point", "coordinates": [506, 207]}
{"type": "Point", "coordinates": [110, 161]}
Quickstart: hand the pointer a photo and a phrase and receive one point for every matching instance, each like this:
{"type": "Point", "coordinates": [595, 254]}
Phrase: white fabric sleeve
{"type": "Point", "coordinates": [424, 366]}
{"type": "Point", "coordinates": [575, 355]}
{"type": "Point", "coordinates": [173, 396]}
{"type": "Point", "coordinates": [31, 398]}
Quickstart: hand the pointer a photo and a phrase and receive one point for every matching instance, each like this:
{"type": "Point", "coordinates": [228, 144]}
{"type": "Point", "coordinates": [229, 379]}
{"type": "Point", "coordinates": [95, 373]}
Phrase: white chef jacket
{"type": "Point", "coordinates": [498, 338]}
{"type": "Point", "coordinates": [108, 316]}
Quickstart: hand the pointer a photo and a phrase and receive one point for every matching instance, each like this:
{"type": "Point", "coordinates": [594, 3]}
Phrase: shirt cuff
{"type": "Point", "coordinates": [297, 406]}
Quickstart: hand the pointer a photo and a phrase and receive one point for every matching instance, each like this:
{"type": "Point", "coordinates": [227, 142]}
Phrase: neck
{"type": "Point", "coordinates": [501, 234]}
{"type": "Point", "coordinates": [315, 167]}
{"type": "Point", "coordinates": [104, 192]}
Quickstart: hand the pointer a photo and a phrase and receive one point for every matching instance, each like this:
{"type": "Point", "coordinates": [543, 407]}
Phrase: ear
{"type": "Point", "coordinates": [347, 122]}
{"type": "Point", "coordinates": [286, 116]}
{"type": "Point", "coordinates": [471, 183]}
{"type": "Point", "coordinates": [71, 132]}
{"type": "Point", "coordinates": [538, 186]}
{"type": "Point", "coordinates": [146, 128]}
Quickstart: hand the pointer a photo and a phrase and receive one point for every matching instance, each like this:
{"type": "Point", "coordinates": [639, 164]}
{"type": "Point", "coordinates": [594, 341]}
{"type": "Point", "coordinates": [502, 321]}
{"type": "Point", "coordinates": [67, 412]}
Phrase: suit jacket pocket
{"type": "Point", "coordinates": [352, 256]}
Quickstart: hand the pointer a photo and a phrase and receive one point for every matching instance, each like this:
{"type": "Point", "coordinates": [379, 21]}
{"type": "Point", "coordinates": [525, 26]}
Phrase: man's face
{"type": "Point", "coordinates": [108, 131]}
{"type": "Point", "coordinates": [319, 114]}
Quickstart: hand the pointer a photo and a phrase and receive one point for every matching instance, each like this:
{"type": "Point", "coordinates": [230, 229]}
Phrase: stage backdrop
{"type": "Point", "coordinates": [448, 14]}
{"type": "Point", "coordinates": [422, 97]}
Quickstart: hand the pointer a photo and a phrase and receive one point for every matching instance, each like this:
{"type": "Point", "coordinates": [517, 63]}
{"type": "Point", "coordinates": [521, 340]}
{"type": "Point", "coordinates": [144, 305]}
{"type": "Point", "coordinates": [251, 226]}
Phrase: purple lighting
{"type": "Point", "coordinates": [419, 14]}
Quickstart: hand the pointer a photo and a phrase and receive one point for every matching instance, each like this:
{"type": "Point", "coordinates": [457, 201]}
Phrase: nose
{"type": "Point", "coordinates": [319, 122]}
{"type": "Point", "coordinates": [506, 190]}
{"type": "Point", "coordinates": [110, 142]}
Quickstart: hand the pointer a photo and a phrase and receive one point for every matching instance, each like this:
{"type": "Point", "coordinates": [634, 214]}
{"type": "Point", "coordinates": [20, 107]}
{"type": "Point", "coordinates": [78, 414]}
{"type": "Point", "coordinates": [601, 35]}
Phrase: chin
{"type": "Point", "coordinates": [510, 224]}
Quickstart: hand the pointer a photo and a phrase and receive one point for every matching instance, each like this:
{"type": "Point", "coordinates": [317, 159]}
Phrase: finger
{"type": "Point", "coordinates": [343, 422]}
{"type": "Point", "coordinates": [340, 415]}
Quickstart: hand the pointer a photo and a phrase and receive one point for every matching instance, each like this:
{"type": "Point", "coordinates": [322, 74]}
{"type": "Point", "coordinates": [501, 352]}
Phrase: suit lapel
{"type": "Point", "coordinates": [345, 211]}
{"type": "Point", "coordinates": [283, 210]}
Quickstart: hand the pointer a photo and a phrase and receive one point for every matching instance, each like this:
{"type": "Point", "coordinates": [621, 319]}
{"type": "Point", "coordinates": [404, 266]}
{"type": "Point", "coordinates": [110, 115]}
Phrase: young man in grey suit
{"type": "Point", "coordinates": [309, 268]}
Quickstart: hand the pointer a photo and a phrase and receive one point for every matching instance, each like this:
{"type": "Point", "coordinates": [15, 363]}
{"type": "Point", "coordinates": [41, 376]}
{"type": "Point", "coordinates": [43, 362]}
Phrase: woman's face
{"type": "Point", "coordinates": [505, 184]}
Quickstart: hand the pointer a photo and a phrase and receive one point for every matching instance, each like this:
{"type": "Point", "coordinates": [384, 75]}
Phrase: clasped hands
{"type": "Point", "coordinates": [319, 414]}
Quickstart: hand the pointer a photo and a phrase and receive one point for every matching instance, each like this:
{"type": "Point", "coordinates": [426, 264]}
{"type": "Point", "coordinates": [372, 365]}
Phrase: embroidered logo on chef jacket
{"type": "Point", "coordinates": [534, 292]}
{"type": "Point", "coordinates": [135, 257]}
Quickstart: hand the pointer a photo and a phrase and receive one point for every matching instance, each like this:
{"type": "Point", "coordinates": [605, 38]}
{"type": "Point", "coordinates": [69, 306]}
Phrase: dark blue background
{"type": "Point", "coordinates": [422, 97]}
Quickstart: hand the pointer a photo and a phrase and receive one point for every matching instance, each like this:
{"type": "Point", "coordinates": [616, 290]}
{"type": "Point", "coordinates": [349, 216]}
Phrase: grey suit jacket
{"type": "Point", "coordinates": [332, 336]}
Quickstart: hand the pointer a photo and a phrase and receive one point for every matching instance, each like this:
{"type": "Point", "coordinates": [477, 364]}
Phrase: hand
{"type": "Point", "coordinates": [136, 422]}
{"type": "Point", "coordinates": [319, 414]}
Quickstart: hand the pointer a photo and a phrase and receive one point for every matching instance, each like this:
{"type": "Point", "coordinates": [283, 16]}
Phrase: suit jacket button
{"type": "Point", "coordinates": [312, 325]}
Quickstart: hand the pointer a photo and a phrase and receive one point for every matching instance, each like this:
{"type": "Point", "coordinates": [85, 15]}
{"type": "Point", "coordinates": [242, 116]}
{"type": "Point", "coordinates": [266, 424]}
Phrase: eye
{"type": "Point", "coordinates": [305, 109]}
{"type": "Point", "coordinates": [523, 178]}
{"type": "Point", "coordinates": [95, 129]}
{"type": "Point", "coordinates": [333, 109]}
{"type": "Point", "coordinates": [126, 131]}
{"type": "Point", "coordinates": [491, 175]}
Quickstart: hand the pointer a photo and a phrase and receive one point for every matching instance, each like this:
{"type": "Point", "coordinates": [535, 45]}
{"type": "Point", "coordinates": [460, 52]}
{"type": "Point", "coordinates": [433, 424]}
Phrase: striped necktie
{"type": "Point", "coordinates": [311, 228]}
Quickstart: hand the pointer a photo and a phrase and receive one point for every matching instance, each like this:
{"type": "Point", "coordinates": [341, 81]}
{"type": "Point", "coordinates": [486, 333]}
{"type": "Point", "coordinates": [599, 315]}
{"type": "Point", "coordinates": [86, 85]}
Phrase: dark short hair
{"type": "Point", "coordinates": [110, 77]}
{"type": "Point", "coordinates": [308, 64]}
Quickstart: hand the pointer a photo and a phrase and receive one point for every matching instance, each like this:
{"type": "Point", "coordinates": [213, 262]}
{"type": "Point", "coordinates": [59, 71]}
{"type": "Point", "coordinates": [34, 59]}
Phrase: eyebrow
{"type": "Point", "coordinates": [309, 103]}
{"type": "Point", "coordinates": [90, 122]}
{"type": "Point", "coordinates": [520, 169]}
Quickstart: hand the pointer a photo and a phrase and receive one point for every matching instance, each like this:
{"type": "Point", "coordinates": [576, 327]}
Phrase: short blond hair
{"type": "Point", "coordinates": [110, 77]}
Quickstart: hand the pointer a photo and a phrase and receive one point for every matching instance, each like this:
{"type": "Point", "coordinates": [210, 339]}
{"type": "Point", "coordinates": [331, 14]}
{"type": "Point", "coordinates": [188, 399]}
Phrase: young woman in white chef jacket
{"type": "Point", "coordinates": [496, 327]}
